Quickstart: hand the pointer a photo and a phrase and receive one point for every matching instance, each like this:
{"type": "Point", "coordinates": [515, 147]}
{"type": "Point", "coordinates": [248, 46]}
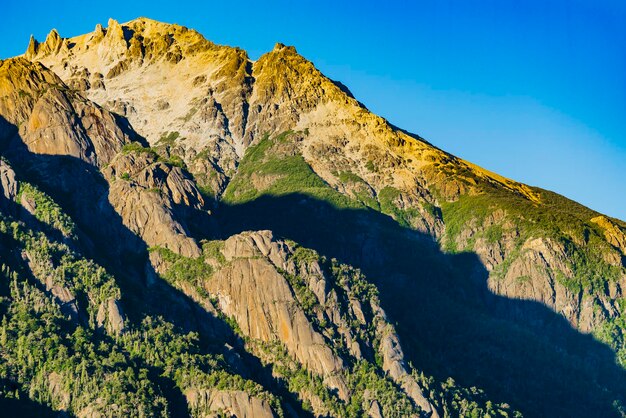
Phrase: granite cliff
{"type": "Point", "coordinates": [187, 232]}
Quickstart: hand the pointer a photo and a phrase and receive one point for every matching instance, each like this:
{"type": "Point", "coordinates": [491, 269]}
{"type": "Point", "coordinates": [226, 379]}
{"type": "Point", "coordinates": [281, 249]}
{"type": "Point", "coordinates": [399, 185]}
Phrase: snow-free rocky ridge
{"type": "Point", "coordinates": [187, 232]}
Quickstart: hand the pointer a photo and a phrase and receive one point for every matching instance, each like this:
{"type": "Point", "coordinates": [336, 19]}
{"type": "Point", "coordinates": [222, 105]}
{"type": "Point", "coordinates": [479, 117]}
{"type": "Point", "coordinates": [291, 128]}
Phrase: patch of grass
{"type": "Point", "coordinates": [184, 269]}
{"type": "Point", "coordinates": [494, 233]}
{"type": "Point", "coordinates": [555, 218]}
{"type": "Point", "coordinates": [387, 199]}
{"type": "Point", "coordinates": [175, 161]}
{"type": "Point", "coordinates": [136, 147]}
{"type": "Point", "coordinates": [458, 215]}
{"type": "Point", "coordinates": [291, 174]}
{"type": "Point", "coordinates": [214, 249]}
{"type": "Point", "coordinates": [349, 177]}
{"type": "Point", "coordinates": [433, 210]}
{"type": "Point", "coordinates": [360, 189]}
{"type": "Point", "coordinates": [367, 199]}
{"type": "Point", "coordinates": [168, 138]}
{"type": "Point", "coordinates": [194, 109]}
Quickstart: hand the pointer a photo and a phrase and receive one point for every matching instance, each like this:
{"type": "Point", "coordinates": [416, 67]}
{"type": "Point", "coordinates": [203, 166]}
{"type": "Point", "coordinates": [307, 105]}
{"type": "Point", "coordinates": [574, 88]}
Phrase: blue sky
{"type": "Point", "coordinates": [534, 90]}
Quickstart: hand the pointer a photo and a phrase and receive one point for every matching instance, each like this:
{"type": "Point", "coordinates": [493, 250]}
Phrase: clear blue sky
{"type": "Point", "coordinates": [534, 90]}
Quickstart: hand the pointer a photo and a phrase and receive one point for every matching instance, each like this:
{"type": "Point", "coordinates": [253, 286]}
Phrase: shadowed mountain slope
{"type": "Point", "coordinates": [187, 232]}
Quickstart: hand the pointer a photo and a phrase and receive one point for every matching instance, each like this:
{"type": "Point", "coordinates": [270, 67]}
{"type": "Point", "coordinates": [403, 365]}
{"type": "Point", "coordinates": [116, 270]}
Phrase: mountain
{"type": "Point", "coordinates": [187, 232]}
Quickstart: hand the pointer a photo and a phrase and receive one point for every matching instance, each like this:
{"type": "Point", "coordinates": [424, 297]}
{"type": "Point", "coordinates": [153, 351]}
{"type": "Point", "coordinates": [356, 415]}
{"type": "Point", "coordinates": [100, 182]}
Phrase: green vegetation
{"type": "Point", "coordinates": [458, 215]}
{"type": "Point", "coordinates": [57, 263]}
{"type": "Point", "coordinates": [494, 233]}
{"type": "Point", "coordinates": [363, 379]}
{"type": "Point", "coordinates": [613, 333]}
{"type": "Point", "coordinates": [433, 210]}
{"type": "Point", "coordinates": [46, 210]}
{"type": "Point", "coordinates": [307, 299]}
{"type": "Point", "coordinates": [176, 161]}
{"type": "Point", "coordinates": [361, 191]}
{"type": "Point", "coordinates": [41, 343]}
{"type": "Point", "coordinates": [182, 360]}
{"type": "Point", "coordinates": [136, 147]}
{"type": "Point", "coordinates": [457, 401]}
{"type": "Point", "coordinates": [63, 355]}
{"type": "Point", "coordinates": [366, 380]}
{"type": "Point", "coordinates": [284, 173]}
{"type": "Point", "coordinates": [168, 138]}
{"type": "Point", "coordinates": [349, 177]}
{"type": "Point", "coordinates": [555, 218]}
{"type": "Point", "coordinates": [184, 269]}
{"type": "Point", "coordinates": [387, 197]}
{"type": "Point", "coordinates": [213, 250]}
{"type": "Point", "coordinates": [388, 205]}
{"type": "Point", "coordinates": [297, 378]}
{"type": "Point", "coordinates": [40, 346]}
{"type": "Point", "coordinates": [371, 166]}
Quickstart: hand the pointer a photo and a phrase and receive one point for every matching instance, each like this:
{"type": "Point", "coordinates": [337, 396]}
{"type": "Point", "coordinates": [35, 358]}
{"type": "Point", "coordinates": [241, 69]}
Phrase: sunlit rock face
{"type": "Point", "coordinates": [228, 236]}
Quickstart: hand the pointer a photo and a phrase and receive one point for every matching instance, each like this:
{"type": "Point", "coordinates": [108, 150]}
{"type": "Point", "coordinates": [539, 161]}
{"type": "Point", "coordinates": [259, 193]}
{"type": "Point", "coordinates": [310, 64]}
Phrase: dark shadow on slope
{"type": "Point", "coordinates": [82, 192]}
{"type": "Point", "coordinates": [25, 408]}
{"type": "Point", "coordinates": [347, 92]}
{"type": "Point", "coordinates": [449, 322]}
{"type": "Point", "coordinates": [344, 89]}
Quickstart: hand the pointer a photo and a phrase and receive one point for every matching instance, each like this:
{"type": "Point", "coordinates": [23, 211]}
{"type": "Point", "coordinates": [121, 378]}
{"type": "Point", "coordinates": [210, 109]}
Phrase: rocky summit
{"type": "Point", "coordinates": [187, 232]}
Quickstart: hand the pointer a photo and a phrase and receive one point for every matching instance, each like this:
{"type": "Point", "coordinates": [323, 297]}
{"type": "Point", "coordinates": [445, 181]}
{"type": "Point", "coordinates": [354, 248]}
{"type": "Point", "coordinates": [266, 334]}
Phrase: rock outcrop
{"type": "Point", "coordinates": [54, 120]}
{"type": "Point", "coordinates": [8, 183]}
{"type": "Point", "coordinates": [209, 403]}
{"type": "Point", "coordinates": [152, 198]}
{"type": "Point", "coordinates": [613, 233]}
{"type": "Point", "coordinates": [251, 290]}
{"type": "Point", "coordinates": [254, 289]}
{"type": "Point", "coordinates": [138, 132]}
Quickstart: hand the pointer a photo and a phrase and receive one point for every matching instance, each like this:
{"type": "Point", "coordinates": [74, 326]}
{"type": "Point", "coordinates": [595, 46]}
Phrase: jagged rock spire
{"type": "Point", "coordinates": [33, 46]}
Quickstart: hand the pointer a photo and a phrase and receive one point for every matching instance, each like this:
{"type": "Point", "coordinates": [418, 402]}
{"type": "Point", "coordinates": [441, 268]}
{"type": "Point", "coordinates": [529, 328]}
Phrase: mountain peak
{"type": "Point", "coordinates": [162, 147]}
{"type": "Point", "coordinates": [140, 38]}
{"type": "Point", "coordinates": [32, 46]}
{"type": "Point", "coordinates": [53, 36]}
{"type": "Point", "coordinates": [112, 23]}
{"type": "Point", "coordinates": [280, 47]}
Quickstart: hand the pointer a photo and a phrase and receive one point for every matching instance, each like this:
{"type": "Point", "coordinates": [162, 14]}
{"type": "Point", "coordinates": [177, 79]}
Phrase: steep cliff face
{"type": "Point", "coordinates": [61, 130]}
{"type": "Point", "coordinates": [54, 120]}
{"type": "Point", "coordinates": [152, 197]}
{"type": "Point", "coordinates": [298, 311]}
{"type": "Point", "coordinates": [178, 90]}
{"type": "Point", "coordinates": [230, 403]}
{"type": "Point", "coordinates": [140, 161]}
{"type": "Point", "coordinates": [260, 299]}
{"type": "Point", "coordinates": [214, 102]}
